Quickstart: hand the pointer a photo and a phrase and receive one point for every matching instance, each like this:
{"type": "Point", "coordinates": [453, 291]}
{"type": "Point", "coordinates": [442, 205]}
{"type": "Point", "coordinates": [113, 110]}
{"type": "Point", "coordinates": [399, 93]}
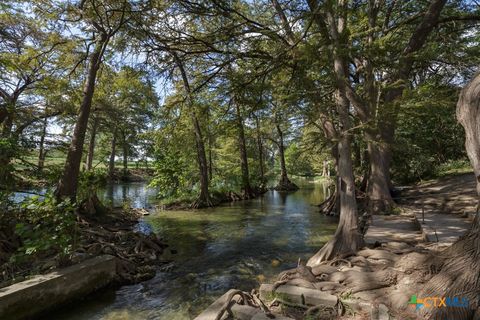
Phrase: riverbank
{"type": "Point", "coordinates": [378, 282]}
{"type": "Point", "coordinates": [216, 199]}
{"type": "Point", "coordinates": [112, 233]}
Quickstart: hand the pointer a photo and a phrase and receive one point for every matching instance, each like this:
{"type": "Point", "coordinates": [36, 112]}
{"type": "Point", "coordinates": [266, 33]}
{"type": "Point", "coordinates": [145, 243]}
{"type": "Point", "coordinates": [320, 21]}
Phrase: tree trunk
{"type": "Point", "coordinates": [6, 155]}
{"type": "Point", "coordinates": [125, 156]}
{"type": "Point", "coordinates": [459, 275]}
{"type": "Point", "coordinates": [260, 155]}
{"type": "Point", "coordinates": [42, 152]}
{"type": "Point", "coordinates": [284, 184]}
{"type": "Point", "coordinates": [347, 238]}
{"type": "Point", "coordinates": [381, 154]}
{"type": "Point", "coordinates": [91, 144]}
{"type": "Point", "coordinates": [111, 161]}
{"type": "Point", "coordinates": [204, 197]}
{"type": "Point", "coordinates": [246, 189]}
{"type": "Point", "coordinates": [378, 188]}
{"type": "Point", "coordinates": [68, 184]}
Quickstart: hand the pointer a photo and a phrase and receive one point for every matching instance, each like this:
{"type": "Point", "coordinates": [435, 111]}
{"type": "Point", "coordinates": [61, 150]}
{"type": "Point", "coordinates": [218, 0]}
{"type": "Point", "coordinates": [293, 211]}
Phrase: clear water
{"type": "Point", "coordinates": [237, 245]}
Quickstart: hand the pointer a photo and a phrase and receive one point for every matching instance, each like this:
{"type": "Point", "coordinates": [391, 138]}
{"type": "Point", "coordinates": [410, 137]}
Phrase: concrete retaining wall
{"type": "Point", "coordinates": [26, 299]}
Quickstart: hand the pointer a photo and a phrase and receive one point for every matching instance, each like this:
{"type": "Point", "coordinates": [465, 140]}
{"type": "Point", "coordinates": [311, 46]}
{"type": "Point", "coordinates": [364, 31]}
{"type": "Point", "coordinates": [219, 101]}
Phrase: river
{"type": "Point", "coordinates": [236, 245]}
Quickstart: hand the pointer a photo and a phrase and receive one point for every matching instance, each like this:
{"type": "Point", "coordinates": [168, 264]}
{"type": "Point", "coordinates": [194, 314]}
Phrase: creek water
{"type": "Point", "coordinates": [236, 245]}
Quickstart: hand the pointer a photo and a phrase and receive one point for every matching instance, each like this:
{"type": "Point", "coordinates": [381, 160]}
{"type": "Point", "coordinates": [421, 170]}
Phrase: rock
{"type": "Point", "coordinates": [242, 312]}
{"type": "Point", "coordinates": [261, 278]}
{"type": "Point", "coordinates": [297, 295]}
{"type": "Point", "coordinates": [262, 316]}
{"type": "Point", "coordinates": [383, 312]}
{"type": "Point", "coordinates": [275, 263]}
{"type": "Point", "coordinates": [211, 312]}
{"type": "Point", "coordinates": [380, 313]}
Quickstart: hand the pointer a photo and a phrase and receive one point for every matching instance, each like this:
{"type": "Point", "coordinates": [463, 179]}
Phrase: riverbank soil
{"type": "Point", "coordinates": [403, 253]}
{"type": "Point", "coordinates": [111, 233]}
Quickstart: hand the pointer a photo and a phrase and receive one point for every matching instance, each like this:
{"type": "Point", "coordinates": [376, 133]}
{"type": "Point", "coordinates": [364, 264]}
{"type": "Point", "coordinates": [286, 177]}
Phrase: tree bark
{"type": "Point", "coordinates": [260, 154]}
{"type": "Point", "coordinates": [68, 184]}
{"type": "Point", "coordinates": [42, 153]}
{"type": "Point", "coordinates": [246, 188]}
{"type": "Point", "coordinates": [284, 184]}
{"type": "Point", "coordinates": [91, 144]}
{"type": "Point", "coordinates": [125, 155]}
{"type": "Point", "coordinates": [204, 197]}
{"type": "Point", "coordinates": [459, 275]}
{"type": "Point", "coordinates": [380, 146]}
{"type": "Point", "coordinates": [6, 135]}
{"type": "Point", "coordinates": [347, 238]}
{"type": "Point", "coordinates": [111, 162]}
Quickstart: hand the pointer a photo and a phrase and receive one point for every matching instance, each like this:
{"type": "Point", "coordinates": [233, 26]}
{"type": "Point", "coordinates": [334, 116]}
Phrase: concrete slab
{"type": "Point", "coordinates": [212, 311]}
{"type": "Point", "coordinates": [262, 316]}
{"type": "Point", "coordinates": [297, 295]}
{"type": "Point", "coordinates": [385, 229]}
{"type": "Point", "coordinates": [44, 292]}
{"type": "Point", "coordinates": [242, 312]}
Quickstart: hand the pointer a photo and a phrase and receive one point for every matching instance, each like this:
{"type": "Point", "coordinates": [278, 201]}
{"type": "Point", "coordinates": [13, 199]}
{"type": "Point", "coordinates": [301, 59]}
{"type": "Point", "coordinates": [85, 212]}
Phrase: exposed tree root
{"type": "Point", "coordinates": [459, 277]}
{"type": "Point", "coordinates": [329, 206]}
{"type": "Point", "coordinates": [285, 184]}
{"type": "Point", "coordinates": [250, 299]}
{"type": "Point", "coordinates": [202, 202]}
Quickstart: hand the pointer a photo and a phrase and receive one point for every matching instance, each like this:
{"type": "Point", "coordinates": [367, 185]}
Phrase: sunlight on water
{"type": "Point", "coordinates": [236, 245]}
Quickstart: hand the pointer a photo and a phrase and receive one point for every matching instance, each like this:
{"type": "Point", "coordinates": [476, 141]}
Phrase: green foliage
{"type": "Point", "coordinates": [171, 178]}
{"type": "Point", "coordinates": [454, 167]}
{"type": "Point", "coordinates": [44, 227]}
{"type": "Point", "coordinates": [297, 161]}
{"type": "Point", "coordinates": [428, 134]}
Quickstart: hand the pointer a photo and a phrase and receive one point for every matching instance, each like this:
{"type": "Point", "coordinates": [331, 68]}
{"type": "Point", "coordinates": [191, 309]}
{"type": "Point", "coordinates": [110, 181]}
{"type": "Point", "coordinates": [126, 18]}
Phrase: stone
{"type": "Point", "coordinates": [383, 312]}
{"type": "Point", "coordinates": [41, 293]}
{"type": "Point", "coordinates": [242, 312]}
{"type": "Point", "coordinates": [297, 295]}
{"type": "Point", "coordinates": [262, 316]}
{"type": "Point", "coordinates": [211, 312]}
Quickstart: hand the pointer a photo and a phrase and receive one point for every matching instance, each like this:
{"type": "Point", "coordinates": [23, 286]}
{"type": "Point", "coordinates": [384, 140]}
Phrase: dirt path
{"type": "Point", "coordinates": [453, 194]}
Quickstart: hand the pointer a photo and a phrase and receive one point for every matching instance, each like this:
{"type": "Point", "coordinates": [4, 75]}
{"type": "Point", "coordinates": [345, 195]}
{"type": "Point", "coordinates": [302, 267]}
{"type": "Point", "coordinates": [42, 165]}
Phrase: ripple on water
{"type": "Point", "coordinates": [236, 245]}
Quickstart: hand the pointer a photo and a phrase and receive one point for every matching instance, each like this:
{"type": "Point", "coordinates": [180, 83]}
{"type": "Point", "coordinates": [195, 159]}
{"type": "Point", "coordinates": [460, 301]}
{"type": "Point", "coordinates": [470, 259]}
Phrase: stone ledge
{"type": "Point", "coordinates": [297, 295]}
{"type": "Point", "coordinates": [28, 298]}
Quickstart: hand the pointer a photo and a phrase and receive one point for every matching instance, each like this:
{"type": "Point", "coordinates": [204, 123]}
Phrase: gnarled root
{"type": "Point", "coordinates": [251, 299]}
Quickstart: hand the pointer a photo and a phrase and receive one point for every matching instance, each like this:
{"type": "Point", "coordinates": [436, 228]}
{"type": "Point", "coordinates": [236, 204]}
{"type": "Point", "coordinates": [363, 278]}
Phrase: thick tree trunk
{"type": "Point", "coordinates": [246, 188]}
{"type": "Point", "coordinates": [42, 152]}
{"type": "Point", "coordinates": [111, 161]}
{"type": "Point", "coordinates": [381, 155]}
{"type": "Point", "coordinates": [459, 275]}
{"type": "Point", "coordinates": [68, 184]}
{"type": "Point", "coordinates": [378, 189]}
{"type": "Point", "coordinates": [347, 238]}
{"type": "Point", "coordinates": [91, 144]}
{"type": "Point", "coordinates": [284, 184]}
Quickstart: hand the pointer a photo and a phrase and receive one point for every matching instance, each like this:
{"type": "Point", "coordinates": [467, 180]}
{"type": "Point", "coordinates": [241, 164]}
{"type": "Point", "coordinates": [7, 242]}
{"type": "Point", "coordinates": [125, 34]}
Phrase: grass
{"type": "Point", "coordinates": [454, 167]}
{"type": "Point", "coordinates": [58, 159]}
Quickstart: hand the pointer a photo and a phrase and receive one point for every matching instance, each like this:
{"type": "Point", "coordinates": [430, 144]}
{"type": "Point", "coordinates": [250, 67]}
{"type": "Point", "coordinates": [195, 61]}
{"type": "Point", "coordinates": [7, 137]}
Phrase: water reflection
{"type": "Point", "coordinates": [235, 245]}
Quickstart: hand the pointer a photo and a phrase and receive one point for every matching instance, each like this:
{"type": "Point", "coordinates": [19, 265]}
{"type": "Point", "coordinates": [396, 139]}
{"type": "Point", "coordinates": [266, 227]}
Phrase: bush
{"type": "Point", "coordinates": [45, 227]}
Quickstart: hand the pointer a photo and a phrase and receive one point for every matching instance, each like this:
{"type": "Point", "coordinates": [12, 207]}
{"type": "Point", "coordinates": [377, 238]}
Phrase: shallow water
{"type": "Point", "coordinates": [237, 245]}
